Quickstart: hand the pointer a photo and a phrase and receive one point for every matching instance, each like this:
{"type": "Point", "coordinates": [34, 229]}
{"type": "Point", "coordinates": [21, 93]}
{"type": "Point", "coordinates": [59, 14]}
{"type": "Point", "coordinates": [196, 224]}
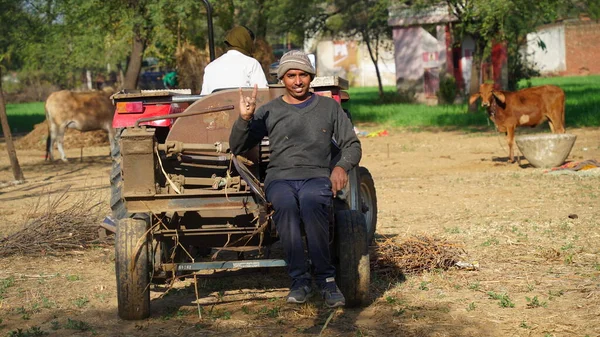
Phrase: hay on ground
{"type": "Point", "coordinates": [74, 139]}
{"type": "Point", "coordinates": [415, 255]}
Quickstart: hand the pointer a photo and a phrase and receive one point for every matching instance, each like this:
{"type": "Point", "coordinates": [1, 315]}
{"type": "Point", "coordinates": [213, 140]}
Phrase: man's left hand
{"type": "Point", "coordinates": [339, 179]}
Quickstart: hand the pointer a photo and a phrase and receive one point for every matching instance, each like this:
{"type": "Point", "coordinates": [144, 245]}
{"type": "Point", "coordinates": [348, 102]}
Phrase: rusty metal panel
{"type": "Point", "coordinates": [215, 127]}
{"type": "Point", "coordinates": [137, 148]}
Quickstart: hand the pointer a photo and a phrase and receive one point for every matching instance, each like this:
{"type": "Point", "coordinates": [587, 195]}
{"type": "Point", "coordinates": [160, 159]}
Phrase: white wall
{"type": "Point", "coordinates": [553, 59]}
{"type": "Point", "coordinates": [466, 61]}
{"type": "Point", "coordinates": [350, 60]}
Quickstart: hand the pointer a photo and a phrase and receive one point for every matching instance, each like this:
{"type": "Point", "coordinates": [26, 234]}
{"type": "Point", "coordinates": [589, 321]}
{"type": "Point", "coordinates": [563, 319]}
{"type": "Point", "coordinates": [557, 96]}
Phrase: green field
{"type": "Point", "coordinates": [365, 107]}
{"type": "Point", "coordinates": [22, 117]}
{"type": "Point", "coordinates": [583, 99]}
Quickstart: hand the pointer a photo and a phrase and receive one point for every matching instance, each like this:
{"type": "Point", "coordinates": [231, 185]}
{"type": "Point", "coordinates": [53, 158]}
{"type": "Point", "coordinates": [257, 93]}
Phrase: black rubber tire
{"type": "Point", "coordinates": [368, 197]}
{"type": "Point", "coordinates": [352, 255]}
{"type": "Point", "coordinates": [117, 204]}
{"type": "Point", "coordinates": [132, 267]}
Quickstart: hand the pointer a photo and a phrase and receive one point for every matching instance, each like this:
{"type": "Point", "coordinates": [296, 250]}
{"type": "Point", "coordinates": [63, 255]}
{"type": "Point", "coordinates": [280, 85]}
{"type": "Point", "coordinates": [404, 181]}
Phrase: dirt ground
{"type": "Point", "coordinates": [533, 235]}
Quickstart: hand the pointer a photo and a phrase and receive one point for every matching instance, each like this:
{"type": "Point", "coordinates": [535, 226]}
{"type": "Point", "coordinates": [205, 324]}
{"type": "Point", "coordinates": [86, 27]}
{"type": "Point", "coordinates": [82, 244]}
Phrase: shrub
{"type": "Point", "coordinates": [447, 92]}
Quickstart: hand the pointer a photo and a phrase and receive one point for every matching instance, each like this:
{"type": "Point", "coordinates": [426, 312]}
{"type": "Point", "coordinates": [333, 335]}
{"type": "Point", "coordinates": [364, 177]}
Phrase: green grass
{"type": "Point", "coordinates": [365, 106]}
{"type": "Point", "coordinates": [23, 116]}
{"type": "Point", "coordinates": [583, 96]}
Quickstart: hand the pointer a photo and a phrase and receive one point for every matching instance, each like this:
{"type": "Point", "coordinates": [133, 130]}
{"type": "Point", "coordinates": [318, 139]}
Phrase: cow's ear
{"type": "Point", "coordinates": [499, 96]}
{"type": "Point", "coordinates": [473, 98]}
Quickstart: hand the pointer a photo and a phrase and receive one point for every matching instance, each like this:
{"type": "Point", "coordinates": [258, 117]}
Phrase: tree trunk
{"type": "Point", "coordinates": [10, 147]}
{"type": "Point", "coordinates": [88, 79]}
{"type": "Point", "coordinates": [261, 22]}
{"type": "Point", "coordinates": [375, 59]}
{"type": "Point", "coordinates": [135, 63]}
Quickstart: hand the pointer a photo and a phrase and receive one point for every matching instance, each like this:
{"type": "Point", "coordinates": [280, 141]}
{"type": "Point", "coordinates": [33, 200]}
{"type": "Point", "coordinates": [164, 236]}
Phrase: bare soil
{"type": "Point", "coordinates": [532, 234]}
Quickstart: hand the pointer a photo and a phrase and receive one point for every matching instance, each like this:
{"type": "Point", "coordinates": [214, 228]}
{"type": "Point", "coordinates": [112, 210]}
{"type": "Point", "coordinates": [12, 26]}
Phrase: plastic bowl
{"type": "Point", "coordinates": [546, 150]}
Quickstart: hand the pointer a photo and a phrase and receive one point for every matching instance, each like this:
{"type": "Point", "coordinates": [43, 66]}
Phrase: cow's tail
{"type": "Point", "coordinates": [48, 139]}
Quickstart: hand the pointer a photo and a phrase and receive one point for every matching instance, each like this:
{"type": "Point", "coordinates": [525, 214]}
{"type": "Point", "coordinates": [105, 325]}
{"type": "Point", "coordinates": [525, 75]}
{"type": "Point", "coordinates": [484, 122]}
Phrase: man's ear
{"type": "Point", "coordinates": [473, 98]}
{"type": "Point", "coordinates": [499, 96]}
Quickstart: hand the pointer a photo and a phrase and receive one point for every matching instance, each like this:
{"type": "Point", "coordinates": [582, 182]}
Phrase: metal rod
{"type": "Point", "coordinates": [211, 35]}
{"type": "Point", "coordinates": [230, 264]}
{"type": "Point", "coordinates": [183, 114]}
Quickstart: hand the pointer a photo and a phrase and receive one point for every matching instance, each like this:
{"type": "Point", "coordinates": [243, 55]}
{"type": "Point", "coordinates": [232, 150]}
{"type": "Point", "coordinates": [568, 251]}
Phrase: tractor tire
{"type": "Point", "coordinates": [132, 267]}
{"type": "Point", "coordinates": [369, 201]}
{"type": "Point", "coordinates": [117, 204]}
{"type": "Point", "coordinates": [353, 271]}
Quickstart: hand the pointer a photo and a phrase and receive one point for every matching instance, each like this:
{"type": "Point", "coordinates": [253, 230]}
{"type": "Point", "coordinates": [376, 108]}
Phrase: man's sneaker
{"type": "Point", "coordinates": [332, 295]}
{"type": "Point", "coordinates": [299, 295]}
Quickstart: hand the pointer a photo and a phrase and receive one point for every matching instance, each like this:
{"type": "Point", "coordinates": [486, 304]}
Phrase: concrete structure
{"type": "Point", "coordinates": [571, 48]}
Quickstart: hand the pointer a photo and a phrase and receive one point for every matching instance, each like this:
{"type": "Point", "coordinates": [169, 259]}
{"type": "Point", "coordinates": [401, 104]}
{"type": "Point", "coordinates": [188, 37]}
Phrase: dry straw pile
{"type": "Point", "coordinates": [414, 255]}
{"type": "Point", "coordinates": [59, 227]}
{"type": "Point", "coordinates": [74, 139]}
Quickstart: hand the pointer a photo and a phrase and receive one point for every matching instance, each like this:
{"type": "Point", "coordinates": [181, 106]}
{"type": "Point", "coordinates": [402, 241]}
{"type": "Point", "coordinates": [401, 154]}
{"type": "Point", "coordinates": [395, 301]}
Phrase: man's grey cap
{"type": "Point", "coordinates": [295, 59]}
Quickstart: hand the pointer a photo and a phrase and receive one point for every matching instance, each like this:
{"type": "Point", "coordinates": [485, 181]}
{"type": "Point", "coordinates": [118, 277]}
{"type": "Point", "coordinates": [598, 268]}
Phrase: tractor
{"type": "Point", "coordinates": [182, 203]}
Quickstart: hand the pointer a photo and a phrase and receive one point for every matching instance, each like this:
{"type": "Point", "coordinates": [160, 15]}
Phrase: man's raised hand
{"type": "Point", "coordinates": [248, 104]}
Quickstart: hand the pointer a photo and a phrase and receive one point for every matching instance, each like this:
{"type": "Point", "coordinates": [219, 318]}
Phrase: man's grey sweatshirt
{"type": "Point", "coordinates": [299, 139]}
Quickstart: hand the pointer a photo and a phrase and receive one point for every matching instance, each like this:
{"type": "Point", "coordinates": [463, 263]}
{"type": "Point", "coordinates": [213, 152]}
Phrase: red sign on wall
{"type": "Point", "coordinates": [431, 56]}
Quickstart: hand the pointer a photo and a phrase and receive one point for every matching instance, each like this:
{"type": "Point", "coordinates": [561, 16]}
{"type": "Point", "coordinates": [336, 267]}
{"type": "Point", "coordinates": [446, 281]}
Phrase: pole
{"type": "Point", "coordinates": [10, 147]}
{"type": "Point", "coordinates": [211, 35]}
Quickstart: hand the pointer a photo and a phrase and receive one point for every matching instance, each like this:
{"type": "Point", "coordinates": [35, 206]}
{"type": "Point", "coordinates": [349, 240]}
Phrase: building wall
{"type": "Point", "coordinates": [552, 59]}
{"type": "Point", "coordinates": [407, 43]}
{"type": "Point", "coordinates": [571, 48]}
{"type": "Point", "coordinates": [350, 60]}
{"type": "Point", "coordinates": [420, 60]}
{"type": "Point", "coordinates": [582, 44]}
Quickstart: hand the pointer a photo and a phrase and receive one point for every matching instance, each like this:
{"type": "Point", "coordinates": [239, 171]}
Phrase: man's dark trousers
{"type": "Point", "coordinates": [304, 202]}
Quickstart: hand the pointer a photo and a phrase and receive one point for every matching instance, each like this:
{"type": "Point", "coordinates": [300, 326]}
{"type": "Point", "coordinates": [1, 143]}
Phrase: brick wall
{"type": "Point", "coordinates": [582, 44]}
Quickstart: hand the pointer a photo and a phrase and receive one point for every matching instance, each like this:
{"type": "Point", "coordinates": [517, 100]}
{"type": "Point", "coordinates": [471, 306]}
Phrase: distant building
{"type": "Point", "coordinates": [347, 58]}
{"type": "Point", "coordinates": [350, 60]}
{"type": "Point", "coordinates": [425, 51]}
{"type": "Point", "coordinates": [570, 47]}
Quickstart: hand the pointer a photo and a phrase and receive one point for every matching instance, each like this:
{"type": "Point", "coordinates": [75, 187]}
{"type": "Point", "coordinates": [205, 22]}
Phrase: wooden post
{"type": "Point", "coordinates": [10, 147]}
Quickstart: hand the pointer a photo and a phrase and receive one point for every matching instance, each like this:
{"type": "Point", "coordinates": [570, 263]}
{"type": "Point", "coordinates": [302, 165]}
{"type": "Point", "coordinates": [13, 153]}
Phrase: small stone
{"type": "Point", "coordinates": [573, 216]}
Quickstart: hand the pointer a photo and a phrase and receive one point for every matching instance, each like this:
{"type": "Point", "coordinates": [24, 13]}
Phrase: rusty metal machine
{"type": "Point", "coordinates": [183, 203]}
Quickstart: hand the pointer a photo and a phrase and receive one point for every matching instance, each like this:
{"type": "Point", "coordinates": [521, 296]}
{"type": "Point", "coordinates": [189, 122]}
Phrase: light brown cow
{"type": "Point", "coordinates": [526, 107]}
{"type": "Point", "coordinates": [83, 111]}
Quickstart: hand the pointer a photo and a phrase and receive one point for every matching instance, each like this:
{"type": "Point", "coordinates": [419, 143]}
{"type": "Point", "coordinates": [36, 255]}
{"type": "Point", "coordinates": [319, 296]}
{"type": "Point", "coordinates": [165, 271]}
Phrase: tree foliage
{"type": "Point", "coordinates": [57, 40]}
{"type": "Point", "coordinates": [366, 19]}
{"type": "Point", "coordinates": [503, 21]}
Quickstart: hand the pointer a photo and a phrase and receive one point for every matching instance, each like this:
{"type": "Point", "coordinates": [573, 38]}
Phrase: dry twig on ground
{"type": "Point", "coordinates": [59, 226]}
{"type": "Point", "coordinates": [415, 255]}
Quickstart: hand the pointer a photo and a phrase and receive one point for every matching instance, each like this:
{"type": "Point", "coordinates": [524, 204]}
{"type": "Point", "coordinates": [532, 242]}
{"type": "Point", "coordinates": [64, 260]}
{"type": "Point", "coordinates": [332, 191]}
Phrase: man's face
{"type": "Point", "coordinates": [297, 83]}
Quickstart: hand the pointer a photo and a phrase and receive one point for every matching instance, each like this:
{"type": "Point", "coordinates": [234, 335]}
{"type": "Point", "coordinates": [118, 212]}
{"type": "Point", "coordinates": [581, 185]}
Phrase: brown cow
{"type": "Point", "coordinates": [83, 111]}
{"type": "Point", "coordinates": [526, 107]}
